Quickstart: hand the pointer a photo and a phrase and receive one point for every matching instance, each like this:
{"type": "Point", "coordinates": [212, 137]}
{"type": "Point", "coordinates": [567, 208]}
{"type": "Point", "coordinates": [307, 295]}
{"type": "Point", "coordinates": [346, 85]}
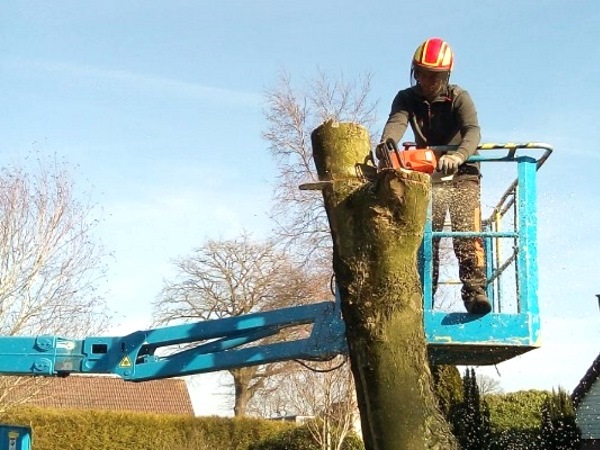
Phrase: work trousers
{"type": "Point", "coordinates": [461, 199]}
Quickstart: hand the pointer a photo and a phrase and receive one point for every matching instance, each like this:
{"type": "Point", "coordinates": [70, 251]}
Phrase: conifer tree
{"type": "Point", "coordinates": [471, 418]}
{"type": "Point", "coordinates": [559, 430]}
{"type": "Point", "coordinates": [448, 388]}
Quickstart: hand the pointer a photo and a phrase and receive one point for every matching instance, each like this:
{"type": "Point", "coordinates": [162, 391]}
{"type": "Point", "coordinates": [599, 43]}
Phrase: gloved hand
{"type": "Point", "coordinates": [448, 164]}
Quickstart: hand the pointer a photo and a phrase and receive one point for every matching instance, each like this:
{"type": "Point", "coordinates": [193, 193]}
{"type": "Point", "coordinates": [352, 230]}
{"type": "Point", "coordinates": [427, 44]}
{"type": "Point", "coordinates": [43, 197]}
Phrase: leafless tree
{"type": "Point", "coordinates": [488, 385]}
{"type": "Point", "coordinates": [323, 393]}
{"type": "Point", "coordinates": [292, 113]}
{"type": "Point", "coordinates": [234, 277]}
{"type": "Point", "coordinates": [50, 265]}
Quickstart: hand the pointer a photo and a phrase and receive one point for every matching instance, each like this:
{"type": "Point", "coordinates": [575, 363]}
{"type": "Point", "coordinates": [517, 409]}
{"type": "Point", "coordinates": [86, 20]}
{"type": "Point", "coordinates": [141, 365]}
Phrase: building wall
{"type": "Point", "coordinates": [588, 413]}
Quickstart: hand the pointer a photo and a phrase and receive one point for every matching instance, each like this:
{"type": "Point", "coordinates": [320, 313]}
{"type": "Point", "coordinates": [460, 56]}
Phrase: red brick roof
{"type": "Point", "coordinates": [168, 396]}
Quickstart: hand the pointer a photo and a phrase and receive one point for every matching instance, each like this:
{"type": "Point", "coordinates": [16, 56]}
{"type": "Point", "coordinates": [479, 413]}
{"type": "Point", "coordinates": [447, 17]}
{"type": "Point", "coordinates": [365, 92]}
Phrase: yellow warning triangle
{"type": "Point", "coordinates": [125, 362]}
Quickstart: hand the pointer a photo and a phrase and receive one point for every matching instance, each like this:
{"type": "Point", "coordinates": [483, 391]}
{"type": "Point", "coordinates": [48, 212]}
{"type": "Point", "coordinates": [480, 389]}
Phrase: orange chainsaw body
{"type": "Point", "coordinates": [417, 159]}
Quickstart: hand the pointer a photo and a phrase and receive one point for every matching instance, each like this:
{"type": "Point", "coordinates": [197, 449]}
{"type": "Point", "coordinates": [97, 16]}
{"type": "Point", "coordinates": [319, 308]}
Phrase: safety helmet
{"type": "Point", "coordinates": [433, 55]}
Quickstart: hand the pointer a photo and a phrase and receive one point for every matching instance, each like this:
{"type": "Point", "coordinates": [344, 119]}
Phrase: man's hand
{"type": "Point", "coordinates": [448, 164]}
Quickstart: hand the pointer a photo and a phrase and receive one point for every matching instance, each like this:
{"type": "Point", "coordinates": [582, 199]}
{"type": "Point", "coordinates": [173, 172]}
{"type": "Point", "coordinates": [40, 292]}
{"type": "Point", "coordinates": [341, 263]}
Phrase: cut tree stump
{"type": "Point", "coordinates": [377, 227]}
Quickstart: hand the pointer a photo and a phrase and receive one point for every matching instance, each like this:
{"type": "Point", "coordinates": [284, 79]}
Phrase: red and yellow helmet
{"type": "Point", "coordinates": [434, 55]}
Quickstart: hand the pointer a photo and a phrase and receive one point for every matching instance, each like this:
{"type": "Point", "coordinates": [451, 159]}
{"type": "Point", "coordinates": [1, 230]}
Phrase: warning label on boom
{"type": "Point", "coordinates": [125, 362]}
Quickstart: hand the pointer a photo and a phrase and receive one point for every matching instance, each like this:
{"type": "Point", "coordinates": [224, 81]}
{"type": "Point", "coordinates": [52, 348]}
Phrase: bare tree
{"type": "Point", "coordinates": [322, 392]}
{"type": "Point", "coordinates": [50, 265]}
{"type": "Point", "coordinates": [488, 385]}
{"type": "Point", "coordinates": [231, 278]}
{"type": "Point", "coordinates": [292, 113]}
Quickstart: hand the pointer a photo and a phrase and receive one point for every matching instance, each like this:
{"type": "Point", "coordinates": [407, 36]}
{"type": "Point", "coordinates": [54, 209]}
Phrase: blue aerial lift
{"type": "Point", "coordinates": [453, 338]}
{"type": "Point", "coordinates": [15, 437]}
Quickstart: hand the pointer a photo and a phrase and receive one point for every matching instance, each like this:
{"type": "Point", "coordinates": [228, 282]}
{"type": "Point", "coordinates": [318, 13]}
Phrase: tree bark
{"type": "Point", "coordinates": [377, 228]}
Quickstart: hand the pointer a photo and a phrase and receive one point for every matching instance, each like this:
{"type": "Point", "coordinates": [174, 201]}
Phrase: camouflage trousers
{"type": "Point", "coordinates": [460, 198]}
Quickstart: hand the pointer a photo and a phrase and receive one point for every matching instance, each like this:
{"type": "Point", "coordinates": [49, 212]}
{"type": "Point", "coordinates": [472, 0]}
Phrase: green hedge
{"type": "Point", "coordinates": [520, 410]}
{"type": "Point", "coordinates": [104, 430]}
{"type": "Point", "coordinates": [513, 416]}
{"type": "Point", "coordinates": [300, 438]}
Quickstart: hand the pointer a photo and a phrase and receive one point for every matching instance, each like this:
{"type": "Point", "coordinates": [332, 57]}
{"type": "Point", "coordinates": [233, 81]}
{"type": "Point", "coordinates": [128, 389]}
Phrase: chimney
{"type": "Point", "coordinates": [598, 297]}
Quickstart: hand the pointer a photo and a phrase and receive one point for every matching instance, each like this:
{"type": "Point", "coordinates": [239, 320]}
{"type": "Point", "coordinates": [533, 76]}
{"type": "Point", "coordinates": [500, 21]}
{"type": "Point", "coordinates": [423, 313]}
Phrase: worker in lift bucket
{"type": "Point", "coordinates": [440, 113]}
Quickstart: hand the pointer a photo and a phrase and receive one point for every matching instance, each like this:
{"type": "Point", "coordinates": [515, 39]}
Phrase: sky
{"type": "Point", "coordinates": [159, 107]}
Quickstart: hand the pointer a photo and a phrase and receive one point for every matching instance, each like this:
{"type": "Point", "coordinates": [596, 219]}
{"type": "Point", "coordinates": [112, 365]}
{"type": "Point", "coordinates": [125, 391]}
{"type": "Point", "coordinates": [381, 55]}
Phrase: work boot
{"type": "Point", "coordinates": [478, 304]}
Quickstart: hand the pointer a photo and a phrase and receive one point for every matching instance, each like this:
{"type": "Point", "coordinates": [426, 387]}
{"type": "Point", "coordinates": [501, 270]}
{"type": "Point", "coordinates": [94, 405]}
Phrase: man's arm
{"type": "Point", "coordinates": [397, 121]}
{"type": "Point", "coordinates": [469, 125]}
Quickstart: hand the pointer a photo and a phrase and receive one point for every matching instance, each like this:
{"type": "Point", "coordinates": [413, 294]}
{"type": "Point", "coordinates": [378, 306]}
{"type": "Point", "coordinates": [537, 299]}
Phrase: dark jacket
{"type": "Point", "coordinates": [450, 119]}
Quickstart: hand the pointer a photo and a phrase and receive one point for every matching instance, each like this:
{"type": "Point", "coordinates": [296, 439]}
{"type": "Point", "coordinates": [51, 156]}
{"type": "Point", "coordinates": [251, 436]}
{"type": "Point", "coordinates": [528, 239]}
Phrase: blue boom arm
{"type": "Point", "coordinates": [211, 346]}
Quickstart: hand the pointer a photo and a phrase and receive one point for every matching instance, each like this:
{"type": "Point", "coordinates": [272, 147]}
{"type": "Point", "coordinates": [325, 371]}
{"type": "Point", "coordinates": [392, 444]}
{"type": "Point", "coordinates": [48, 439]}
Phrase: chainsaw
{"type": "Point", "coordinates": [410, 158]}
{"type": "Point", "coordinates": [388, 156]}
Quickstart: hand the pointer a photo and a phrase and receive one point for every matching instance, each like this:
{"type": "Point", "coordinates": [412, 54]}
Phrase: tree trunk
{"type": "Point", "coordinates": [242, 378]}
{"type": "Point", "coordinates": [377, 228]}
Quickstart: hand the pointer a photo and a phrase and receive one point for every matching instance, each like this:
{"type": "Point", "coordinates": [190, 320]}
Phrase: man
{"type": "Point", "coordinates": [443, 114]}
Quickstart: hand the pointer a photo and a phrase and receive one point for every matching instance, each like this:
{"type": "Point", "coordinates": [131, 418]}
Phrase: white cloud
{"type": "Point", "coordinates": [139, 81]}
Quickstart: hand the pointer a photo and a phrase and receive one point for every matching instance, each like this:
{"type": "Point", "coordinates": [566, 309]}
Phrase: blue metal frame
{"type": "Point", "coordinates": [215, 345]}
{"type": "Point", "coordinates": [211, 346]}
{"type": "Point", "coordinates": [453, 338]}
{"type": "Point", "coordinates": [465, 339]}
{"type": "Point", "coordinates": [15, 437]}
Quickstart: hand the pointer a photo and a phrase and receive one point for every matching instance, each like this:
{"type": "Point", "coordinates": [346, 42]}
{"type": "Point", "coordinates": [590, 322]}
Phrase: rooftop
{"type": "Point", "coordinates": [168, 396]}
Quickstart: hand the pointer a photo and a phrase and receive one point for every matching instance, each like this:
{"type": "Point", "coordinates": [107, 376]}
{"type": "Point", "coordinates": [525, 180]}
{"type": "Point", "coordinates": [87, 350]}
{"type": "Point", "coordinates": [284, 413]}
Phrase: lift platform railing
{"type": "Point", "coordinates": [460, 338]}
{"type": "Point", "coordinates": [520, 199]}
{"type": "Point", "coordinates": [522, 212]}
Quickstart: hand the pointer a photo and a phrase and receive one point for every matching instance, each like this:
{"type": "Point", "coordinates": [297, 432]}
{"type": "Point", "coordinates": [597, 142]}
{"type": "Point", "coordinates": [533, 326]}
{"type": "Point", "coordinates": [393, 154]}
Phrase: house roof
{"type": "Point", "coordinates": [586, 382]}
{"type": "Point", "coordinates": [168, 396]}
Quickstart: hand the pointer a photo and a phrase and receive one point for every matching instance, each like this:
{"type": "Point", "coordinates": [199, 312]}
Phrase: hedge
{"type": "Point", "coordinates": [106, 430]}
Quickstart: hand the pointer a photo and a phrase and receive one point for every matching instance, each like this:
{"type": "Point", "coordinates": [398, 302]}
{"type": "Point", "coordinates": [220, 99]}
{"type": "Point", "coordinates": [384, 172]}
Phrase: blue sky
{"type": "Point", "coordinates": [158, 105]}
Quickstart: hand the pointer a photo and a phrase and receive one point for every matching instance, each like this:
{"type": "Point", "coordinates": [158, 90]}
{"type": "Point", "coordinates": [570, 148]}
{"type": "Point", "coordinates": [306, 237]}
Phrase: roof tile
{"type": "Point", "coordinates": [167, 396]}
